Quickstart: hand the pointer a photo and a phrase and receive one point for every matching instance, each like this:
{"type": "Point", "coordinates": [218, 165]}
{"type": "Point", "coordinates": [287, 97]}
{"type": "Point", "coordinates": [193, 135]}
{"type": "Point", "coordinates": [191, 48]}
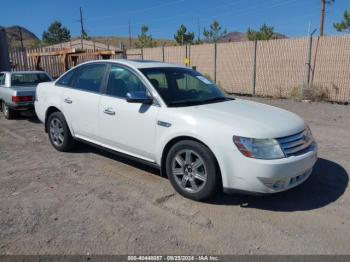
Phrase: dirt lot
{"type": "Point", "coordinates": [93, 202]}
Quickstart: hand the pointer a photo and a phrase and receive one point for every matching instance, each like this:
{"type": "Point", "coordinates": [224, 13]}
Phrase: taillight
{"type": "Point", "coordinates": [18, 99]}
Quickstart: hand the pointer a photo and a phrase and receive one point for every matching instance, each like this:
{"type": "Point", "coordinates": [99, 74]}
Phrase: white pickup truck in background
{"type": "Point", "coordinates": [17, 90]}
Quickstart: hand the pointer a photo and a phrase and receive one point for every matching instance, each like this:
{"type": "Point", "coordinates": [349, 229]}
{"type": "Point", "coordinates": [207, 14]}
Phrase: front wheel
{"type": "Point", "coordinates": [59, 133]}
{"type": "Point", "coordinates": [192, 170]}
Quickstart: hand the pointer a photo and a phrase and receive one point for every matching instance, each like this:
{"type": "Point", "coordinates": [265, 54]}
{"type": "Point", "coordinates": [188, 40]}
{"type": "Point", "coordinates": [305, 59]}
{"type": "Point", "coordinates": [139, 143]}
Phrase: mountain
{"type": "Point", "coordinates": [117, 40]}
{"type": "Point", "coordinates": [31, 40]}
{"type": "Point", "coordinates": [240, 36]}
{"type": "Point", "coordinates": [14, 36]}
{"type": "Point", "coordinates": [233, 37]}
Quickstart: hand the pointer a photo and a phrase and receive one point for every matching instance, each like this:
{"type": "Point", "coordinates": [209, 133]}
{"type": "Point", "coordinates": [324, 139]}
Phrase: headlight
{"type": "Point", "coordinates": [258, 148]}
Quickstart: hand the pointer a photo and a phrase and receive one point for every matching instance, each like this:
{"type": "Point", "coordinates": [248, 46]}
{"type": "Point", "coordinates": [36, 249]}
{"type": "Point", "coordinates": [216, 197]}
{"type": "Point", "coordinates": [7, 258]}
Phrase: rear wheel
{"type": "Point", "coordinates": [8, 112]}
{"type": "Point", "coordinates": [192, 170]}
{"type": "Point", "coordinates": [59, 133]}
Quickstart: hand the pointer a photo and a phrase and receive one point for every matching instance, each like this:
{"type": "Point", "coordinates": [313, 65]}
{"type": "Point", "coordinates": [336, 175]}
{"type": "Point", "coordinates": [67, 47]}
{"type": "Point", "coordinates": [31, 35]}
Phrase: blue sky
{"type": "Point", "coordinates": [108, 17]}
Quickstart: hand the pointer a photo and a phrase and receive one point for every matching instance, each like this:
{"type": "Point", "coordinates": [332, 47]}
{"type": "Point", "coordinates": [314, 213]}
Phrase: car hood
{"type": "Point", "coordinates": [249, 119]}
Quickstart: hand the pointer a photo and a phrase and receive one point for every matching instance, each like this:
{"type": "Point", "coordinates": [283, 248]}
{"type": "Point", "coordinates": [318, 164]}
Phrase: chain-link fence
{"type": "Point", "coordinates": [274, 68]}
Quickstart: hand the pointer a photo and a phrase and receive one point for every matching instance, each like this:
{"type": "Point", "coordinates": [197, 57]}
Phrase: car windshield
{"type": "Point", "coordinates": [183, 87]}
{"type": "Point", "coordinates": [28, 79]}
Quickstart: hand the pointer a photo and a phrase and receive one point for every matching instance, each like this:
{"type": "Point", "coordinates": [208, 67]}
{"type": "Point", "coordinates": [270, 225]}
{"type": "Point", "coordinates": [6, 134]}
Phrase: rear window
{"type": "Point", "coordinates": [18, 79]}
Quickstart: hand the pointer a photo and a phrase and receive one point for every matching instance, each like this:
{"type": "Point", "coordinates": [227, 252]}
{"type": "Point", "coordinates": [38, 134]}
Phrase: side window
{"type": "Point", "coordinates": [66, 80]}
{"type": "Point", "coordinates": [122, 81]}
{"type": "Point", "coordinates": [89, 77]}
{"type": "Point", "coordinates": [2, 79]}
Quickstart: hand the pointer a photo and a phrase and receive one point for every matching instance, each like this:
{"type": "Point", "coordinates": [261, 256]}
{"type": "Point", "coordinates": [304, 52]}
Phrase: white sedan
{"type": "Point", "coordinates": [175, 119]}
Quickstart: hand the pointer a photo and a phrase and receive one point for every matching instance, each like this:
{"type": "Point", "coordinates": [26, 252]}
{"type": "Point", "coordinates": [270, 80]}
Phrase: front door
{"type": "Point", "coordinates": [127, 127]}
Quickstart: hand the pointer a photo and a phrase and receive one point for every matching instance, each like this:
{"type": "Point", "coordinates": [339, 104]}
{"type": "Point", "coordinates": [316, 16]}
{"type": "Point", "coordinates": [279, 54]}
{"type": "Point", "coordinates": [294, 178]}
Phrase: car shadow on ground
{"type": "Point", "coordinates": [28, 116]}
{"type": "Point", "coordinates": [87, 148]}
{"type": "Point", "coordinates": [327, 183]}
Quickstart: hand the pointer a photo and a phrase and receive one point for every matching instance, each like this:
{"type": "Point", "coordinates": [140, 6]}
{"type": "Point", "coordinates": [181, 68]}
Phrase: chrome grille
{"type": "Point", "coordinates": [297, 143]}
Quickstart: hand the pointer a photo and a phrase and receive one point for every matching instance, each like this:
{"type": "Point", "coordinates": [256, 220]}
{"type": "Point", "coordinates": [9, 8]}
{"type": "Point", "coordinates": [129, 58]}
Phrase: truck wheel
{"type": "Point", "coordinates": [192, 170]}
{"type": "Point", "coordinates": [59, 133]}
{"type": "Point", "coordinates": [8, 112]}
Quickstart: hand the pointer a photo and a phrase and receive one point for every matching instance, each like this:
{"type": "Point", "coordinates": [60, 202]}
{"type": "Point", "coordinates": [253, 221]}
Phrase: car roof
{"type": "Point", "coordinates": [138, 64]}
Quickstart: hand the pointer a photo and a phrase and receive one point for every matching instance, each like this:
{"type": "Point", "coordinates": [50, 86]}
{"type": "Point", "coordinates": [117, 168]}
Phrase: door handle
{"type": "Point", "coordinates": [109, 111]}
{"type": "Point", "coordinates": [68, 100]}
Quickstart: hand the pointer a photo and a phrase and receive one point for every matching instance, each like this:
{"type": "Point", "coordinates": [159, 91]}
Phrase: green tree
{"type": "Point", "coordinates": [144, 39]}
{"type": "Point", "coordinates": [183, 37]}
{"type": "Point", "coordinates": [56, 33]}
{"type": "Point", "coordinates": [214, 33]}
{"type": "Point", "coordinates": [344, 25]}
{"type": "Point", "coordinates": [264, 33]}
{"type": "Point", "coordinates": [85, 35]}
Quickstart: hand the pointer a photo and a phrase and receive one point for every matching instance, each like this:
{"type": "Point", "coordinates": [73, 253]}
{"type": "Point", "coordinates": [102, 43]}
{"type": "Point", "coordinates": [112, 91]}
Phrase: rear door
{"type": "Point", "coordinates": [80, 101]}
{"type": "Point", "coordinates": [127, 127]}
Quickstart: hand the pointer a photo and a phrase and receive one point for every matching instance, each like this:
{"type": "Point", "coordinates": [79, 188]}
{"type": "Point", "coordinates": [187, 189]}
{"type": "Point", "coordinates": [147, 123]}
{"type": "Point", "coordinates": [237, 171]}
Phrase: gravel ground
{"type": "Point", "coordinates": [90, 201]}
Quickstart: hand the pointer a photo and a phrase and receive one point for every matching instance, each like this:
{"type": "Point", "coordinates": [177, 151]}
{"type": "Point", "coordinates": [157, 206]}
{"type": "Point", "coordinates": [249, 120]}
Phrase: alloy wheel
{"type": "Point", "coordinates": [189, 171]}
{"type": "Point", "coordinates": [56, 131]}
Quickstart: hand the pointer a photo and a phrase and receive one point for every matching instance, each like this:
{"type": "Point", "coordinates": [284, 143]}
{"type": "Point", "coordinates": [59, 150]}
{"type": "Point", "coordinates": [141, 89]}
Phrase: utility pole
{"type": "Point", "coordinates": [82, 28]}
{"type": "Point", "coordinates": [323, 11]}
{"type": "Point", "coordinates": [199, 29]}
{"type": "Point", "coordinates": [129, 34]}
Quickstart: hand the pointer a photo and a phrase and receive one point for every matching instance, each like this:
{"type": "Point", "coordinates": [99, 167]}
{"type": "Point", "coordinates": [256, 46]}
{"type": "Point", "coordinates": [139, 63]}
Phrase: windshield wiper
{"type": "Point", "coordinates": [216, 99]}
{"type": "Point", "coordinates": [184, 103]}
{"type": "Point", "coordinates": [198, 102]}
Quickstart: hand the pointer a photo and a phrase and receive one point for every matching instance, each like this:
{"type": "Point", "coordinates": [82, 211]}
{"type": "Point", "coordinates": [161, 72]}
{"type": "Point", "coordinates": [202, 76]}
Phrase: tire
{"type": "Point", "coordinates": [8, 112]}
{"type": "Point", "coordinates": [192, 170]}
{"type": "Point", "coordinates": [59, 134]}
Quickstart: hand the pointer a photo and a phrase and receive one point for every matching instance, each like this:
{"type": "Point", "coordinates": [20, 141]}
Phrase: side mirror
{"type": "Point", "coordinates": [139, 97]}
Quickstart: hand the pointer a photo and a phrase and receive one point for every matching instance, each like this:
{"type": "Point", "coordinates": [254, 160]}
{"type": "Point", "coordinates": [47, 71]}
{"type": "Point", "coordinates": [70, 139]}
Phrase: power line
{"type": "Point", "coordinates": [136, 11]}
{"type": "Point", "coordinates": [168, 20]}
{"type": "Point", "coordinates": [252, 9]}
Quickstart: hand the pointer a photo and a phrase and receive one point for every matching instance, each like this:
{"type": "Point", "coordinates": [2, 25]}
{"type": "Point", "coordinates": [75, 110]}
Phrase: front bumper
{"type": "Point", "coordinates": [269, 176]}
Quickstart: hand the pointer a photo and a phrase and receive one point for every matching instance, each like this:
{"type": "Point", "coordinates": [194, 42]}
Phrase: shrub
{"type": "Point", "coordinates": [313, 93]}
